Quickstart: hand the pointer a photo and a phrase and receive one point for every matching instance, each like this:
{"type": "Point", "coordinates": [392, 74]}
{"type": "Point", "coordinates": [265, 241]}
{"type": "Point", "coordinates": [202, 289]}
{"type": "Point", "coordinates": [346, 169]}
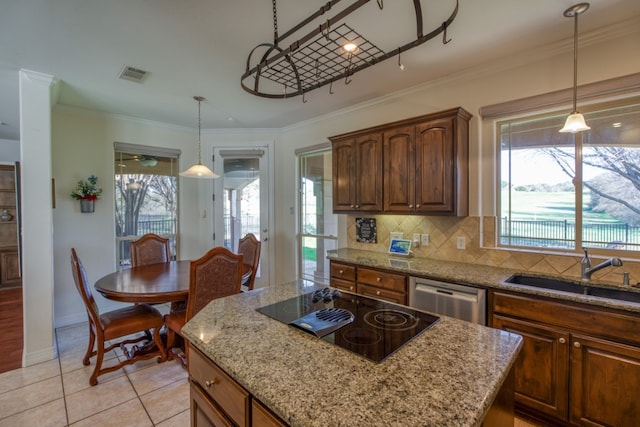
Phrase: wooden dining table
{"type": "Point", "coordinates": [153, 283]}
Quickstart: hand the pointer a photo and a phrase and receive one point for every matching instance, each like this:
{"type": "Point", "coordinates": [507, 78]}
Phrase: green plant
{"type": "Point", "coordinates": [87, 190]}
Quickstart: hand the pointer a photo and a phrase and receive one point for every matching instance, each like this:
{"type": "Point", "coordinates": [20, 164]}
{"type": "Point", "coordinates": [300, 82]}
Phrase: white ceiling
{"type": "Point", "coordinates": [200, 47]}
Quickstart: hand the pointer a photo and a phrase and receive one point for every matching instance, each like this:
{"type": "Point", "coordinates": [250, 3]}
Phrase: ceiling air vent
{"type": "Point", "coordinates": [133, 74]}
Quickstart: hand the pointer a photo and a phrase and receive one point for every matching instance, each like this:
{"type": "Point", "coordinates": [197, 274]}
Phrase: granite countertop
{"type": "Point", "coordinates": [447, 376]}
{"type": "Point", "coordinates": [472, 274]}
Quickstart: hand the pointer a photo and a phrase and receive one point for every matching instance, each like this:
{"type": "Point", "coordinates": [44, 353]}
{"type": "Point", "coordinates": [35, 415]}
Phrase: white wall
{"type": "Point", "coordinates": [83, 144]}
{"type": "Point", "coordinates": [9, 151]}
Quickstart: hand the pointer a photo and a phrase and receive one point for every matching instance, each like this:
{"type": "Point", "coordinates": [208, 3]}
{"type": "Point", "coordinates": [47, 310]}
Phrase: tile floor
{"type": "Point", "coordinates": [57, 393]}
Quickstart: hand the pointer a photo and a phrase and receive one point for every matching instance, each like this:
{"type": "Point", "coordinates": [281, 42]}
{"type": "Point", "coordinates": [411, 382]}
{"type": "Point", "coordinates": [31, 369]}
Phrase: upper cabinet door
{"type": "Point", "coordinates": [399, 169]}
{"type": "Point", "coordinates": [344, 175]}
{"type": "Point", "coordinates": [435, 167]}
{"type": "Point", "coordinates": [369, 173]}
{"type": "Point", "coordinates": [357, 173]}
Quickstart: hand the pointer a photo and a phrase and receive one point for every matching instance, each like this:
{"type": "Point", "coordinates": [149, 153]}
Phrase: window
{"type": "Point", "coordinates": [567, 191]}
{"type": "Point", "coordinates": [317, 224]}
{"type": "Point", "coordinates": [146, 196]}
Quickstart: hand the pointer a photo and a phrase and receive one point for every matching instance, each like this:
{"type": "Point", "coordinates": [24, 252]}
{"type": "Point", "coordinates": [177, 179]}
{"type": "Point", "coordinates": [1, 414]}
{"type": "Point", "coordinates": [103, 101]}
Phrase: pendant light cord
{"type": "Point", "coordinates": [575, 63]}
{"type": "Point", "coordinates": [199, 99]}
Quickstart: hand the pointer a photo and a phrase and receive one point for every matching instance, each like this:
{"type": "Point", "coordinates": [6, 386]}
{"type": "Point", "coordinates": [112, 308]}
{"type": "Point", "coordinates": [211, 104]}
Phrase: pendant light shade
{"type": "Point", "coordinates": [199, 170]}
{"type": "Point", "coordinates": [575, 122]}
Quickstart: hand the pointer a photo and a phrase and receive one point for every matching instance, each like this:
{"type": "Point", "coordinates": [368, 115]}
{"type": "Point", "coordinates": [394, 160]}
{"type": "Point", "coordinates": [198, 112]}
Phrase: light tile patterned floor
{"type": "Point", "coordinates": [57, 393]}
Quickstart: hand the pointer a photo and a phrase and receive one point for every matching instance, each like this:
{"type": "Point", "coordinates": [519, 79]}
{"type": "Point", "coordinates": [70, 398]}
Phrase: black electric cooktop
{"type": "Point", "coordinates": [371, 328]}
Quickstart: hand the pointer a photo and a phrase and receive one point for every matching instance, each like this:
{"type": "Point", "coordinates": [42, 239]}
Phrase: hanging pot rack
{"type": "Point", "coordinates": [318, 58]}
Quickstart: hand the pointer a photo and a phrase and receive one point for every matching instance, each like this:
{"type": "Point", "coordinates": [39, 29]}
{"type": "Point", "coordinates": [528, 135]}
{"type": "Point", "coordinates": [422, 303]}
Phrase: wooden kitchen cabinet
{"type": "Point", "coordinates": [418, 165]}
{"type": "Point", "coordinates": [357, 173]}
{"type": "Point", "coordinates": [343, 276]}
{"type": "Point", "coordinates": [9, 258]}
{"type": "Point", "coordinates": [579, 364]}
{"type": "Point", "coordinates": [218, 400]}
{"type": "Point", "coordinates": [370, 282]}
{"type": "Point", "coordinates": [426, 165]}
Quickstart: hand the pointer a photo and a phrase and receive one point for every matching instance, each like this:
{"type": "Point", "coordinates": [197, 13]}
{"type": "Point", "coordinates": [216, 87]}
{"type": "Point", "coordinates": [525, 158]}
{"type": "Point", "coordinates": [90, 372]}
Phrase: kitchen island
{"type": "Point", "coordinates": [449, 375]}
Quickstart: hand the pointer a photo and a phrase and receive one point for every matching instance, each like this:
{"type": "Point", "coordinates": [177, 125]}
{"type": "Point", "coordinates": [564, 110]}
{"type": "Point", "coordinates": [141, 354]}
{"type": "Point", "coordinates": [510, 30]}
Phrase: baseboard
{"type": "Point", "coordinates": [39, 356]}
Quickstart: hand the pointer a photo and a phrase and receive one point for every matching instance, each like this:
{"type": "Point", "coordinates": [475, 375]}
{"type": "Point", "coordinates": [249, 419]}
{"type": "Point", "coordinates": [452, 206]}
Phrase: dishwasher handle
{"type": "Point", "coordinates": [448, 292]}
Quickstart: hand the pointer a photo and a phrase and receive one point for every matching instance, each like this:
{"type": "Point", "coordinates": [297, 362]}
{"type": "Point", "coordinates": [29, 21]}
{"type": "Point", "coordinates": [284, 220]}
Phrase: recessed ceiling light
{"type": "Point", "coordinates": [350, 47]}
{"type": "Point", "coordinates": [616, 124]}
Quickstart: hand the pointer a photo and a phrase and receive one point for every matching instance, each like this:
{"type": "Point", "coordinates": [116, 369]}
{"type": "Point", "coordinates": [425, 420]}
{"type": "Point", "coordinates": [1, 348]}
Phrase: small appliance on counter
{"type": "Point", "coordinates": [371, 328]}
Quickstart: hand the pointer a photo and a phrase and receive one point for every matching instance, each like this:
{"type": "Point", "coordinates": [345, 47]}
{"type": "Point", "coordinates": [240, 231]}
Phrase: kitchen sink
{"type": "Point", "coordinates": [573, 286]}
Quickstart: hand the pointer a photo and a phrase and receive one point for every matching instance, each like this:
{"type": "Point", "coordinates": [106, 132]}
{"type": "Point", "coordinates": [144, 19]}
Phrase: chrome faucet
{"type": "Point", "coordinates": [587, 271]}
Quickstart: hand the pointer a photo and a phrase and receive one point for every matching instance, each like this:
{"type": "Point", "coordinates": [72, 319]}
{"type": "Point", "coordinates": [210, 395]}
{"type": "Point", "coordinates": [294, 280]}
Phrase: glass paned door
{"type": "Point", "coordinates": [318, 225]}
{"type": "Point", "coordinates": [241, 202]}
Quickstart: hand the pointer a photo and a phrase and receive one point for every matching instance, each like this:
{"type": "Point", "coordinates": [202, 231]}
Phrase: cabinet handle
{"type": "Point", "coordinates": [377, 292]}
{"type": "Point", "coordinates": [352, 206]}
{"type": "Point", "coordinates": [562, 341]}
{"type": "Point", "coordinates": [357, 206]}
{"type": "Point", "coordinates": [576, 344]}
{"type": "Point", "coordinates": [410, 205]}
{"type": "Point", "coordinates": [418, 205]}
{"type": "Point", "coordinates": [350, 288]}
{"type": "Point", "coordinates": [341, 271]}
{"type": "Point", "coordinates": [208, 384]}
{"type": "Point", "coordinates": [378, 279]}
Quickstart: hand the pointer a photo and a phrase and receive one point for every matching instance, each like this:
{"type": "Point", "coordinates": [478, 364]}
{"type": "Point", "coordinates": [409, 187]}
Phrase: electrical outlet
{"type": "Point", "coordinates": [425, 240]}
{"type": "Point", "coordinates": [396, 235]}
{"type": "Point", "coordinates": [416, 240]}
{"type": "Point", "coordinates": [460, 242]}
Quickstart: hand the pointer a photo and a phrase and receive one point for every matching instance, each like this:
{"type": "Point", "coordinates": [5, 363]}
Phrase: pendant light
{"type": "Point", "coordinates": [575, 122]}
{"type": "Point", "coordinates": [199, 170]}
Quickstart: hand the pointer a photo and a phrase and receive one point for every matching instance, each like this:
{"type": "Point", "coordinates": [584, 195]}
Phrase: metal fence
{"type": "Point", "coordinates": [561, 234]}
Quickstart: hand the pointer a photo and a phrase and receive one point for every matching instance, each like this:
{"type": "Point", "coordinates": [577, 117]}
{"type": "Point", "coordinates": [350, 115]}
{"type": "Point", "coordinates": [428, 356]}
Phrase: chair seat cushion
{"type": "Point", "coordinates": [128, 320]}
{"type": "Point", "coordinates": [175, 321]}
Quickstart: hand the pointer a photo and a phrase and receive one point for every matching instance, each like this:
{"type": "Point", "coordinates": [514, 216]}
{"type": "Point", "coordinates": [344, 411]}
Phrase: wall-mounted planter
{"type": "Point", "coordinates": [87, 205]}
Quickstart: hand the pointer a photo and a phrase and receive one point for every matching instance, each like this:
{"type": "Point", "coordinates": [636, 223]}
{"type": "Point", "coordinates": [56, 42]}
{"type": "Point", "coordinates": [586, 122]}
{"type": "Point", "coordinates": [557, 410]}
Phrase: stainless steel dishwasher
{"type": "Point", "coordinates": [449, 299]}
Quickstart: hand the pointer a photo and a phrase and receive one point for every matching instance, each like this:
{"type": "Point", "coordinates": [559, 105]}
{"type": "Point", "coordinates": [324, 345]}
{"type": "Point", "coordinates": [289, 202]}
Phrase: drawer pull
{"type": "Point", "coordinates": [378, 279]}
{"type": "Point", "coordinates": [350, 288]}
{"type": "Point", "coordinates": [208, 384]}
{"type": "Point", "coordinates": [341, 271]}
{"type": "Point", "coordinates": [562, 341]}
{"type": "Point", "coordinates": [377, 292]}
{"type": "Point", "coordinates": [576, 344]}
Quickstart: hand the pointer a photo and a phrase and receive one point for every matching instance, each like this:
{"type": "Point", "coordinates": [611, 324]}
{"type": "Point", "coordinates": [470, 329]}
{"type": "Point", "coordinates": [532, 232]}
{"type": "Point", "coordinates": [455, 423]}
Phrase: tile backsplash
{"type": "Point", "coordinates": [480, 246]}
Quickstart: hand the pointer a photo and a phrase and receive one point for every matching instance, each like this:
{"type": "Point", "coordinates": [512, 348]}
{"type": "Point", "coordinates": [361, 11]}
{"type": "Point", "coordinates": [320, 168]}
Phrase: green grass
{"type": "Point", "coordinates": [556, 206]}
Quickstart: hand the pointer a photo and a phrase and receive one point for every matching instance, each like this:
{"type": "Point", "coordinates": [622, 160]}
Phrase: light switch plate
{"type": "Point", "coordinates": [396, 235]}
{"type": "Point", "coordinates": [425, 240]}
{"type": "Point", "coordinates": [416, 240]}
{"type": "Point", "coordinates": [460, 242]}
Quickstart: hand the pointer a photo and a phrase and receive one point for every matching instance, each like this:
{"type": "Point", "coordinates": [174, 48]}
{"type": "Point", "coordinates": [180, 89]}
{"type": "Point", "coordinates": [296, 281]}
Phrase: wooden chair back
{"type": "Point", "coordinates": [149, 249]}
{"type": "Point", "coordinates": [80, 280]}
{"type": "Point", "coordinates": [217, 274]}
{"type": "Point", "coordinates": [249, 247]}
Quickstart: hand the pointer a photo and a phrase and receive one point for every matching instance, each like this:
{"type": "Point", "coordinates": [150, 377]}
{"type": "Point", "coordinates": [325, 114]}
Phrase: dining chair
{"type": "Point", "coordinates": [149, 249]}
{"type": "Point", "coordinates": [217, 274]}
{"type": "Point", "coordinates": [153, 249]}
{"type": "Point", "coordinates": [116, 327]}
{"type": "Point", "coordinates": [249, 248]}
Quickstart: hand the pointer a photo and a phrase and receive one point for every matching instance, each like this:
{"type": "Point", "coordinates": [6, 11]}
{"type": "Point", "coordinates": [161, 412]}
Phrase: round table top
{"type": "Point", "coordinates": [153, 283]}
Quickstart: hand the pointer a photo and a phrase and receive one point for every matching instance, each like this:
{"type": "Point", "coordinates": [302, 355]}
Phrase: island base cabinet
{"type": "Point", "coordinates": [203, 412]}
{"type": "Point", "coordinates": [596, 365]}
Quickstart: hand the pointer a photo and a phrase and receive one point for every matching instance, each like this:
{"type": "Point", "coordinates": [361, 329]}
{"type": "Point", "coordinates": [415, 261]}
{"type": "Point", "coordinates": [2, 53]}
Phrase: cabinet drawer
{"type": "Point", "coordinates": [390, 281]}
{"type": "Point", "coordinates": [383, 294]}
{"type": "Point", "coordinates": [343, 285]}
{"type": "Point", "coordinates": [204, 413]}
{"type": "Point", "coordinates": [233, 399]}
{"type": "Point", "coordinates": [343, 271]}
